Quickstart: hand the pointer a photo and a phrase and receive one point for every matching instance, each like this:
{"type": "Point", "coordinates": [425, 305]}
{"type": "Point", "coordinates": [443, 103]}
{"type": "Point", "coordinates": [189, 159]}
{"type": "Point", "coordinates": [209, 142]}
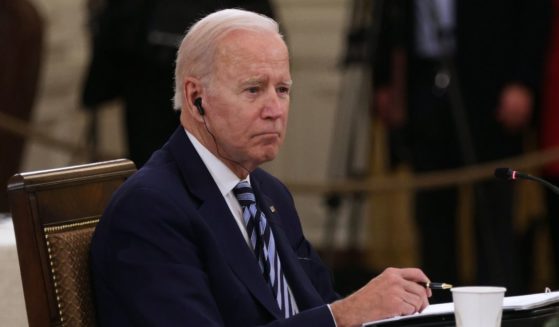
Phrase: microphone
{"type": "Point", "coordinates": [511, 175]}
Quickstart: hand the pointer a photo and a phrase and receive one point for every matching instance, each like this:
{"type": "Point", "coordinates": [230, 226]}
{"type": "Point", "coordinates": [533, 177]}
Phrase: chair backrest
{"type": "Point", "coordinates": [54, 214]}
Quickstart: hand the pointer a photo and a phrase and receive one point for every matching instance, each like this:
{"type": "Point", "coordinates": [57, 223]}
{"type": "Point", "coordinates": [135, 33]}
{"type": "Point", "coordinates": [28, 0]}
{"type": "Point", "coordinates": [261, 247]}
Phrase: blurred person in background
{"type": "Point", "coordinates": [21, 41]}
{"type": "Point", "coordinates": [549, 135]}
{"type": "Point", "coordinates": [459, 80]}
{"type": "Point", "coordinates": [133, 59]}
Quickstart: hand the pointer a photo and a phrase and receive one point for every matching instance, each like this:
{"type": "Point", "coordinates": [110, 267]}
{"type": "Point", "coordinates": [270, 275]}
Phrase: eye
{"type": "Point", "coordinates": [253, 89]}
{"type": "Point", "coordinates": [283, 90]}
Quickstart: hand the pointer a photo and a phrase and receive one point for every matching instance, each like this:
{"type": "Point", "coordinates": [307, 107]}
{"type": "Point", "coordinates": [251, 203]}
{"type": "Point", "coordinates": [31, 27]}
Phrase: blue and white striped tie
{"type": "Point", "coordinates": [264, 246]}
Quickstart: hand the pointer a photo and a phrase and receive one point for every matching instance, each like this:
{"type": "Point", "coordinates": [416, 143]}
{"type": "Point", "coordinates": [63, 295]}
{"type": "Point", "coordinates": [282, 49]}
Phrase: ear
{"type": "Point", "coordinates": [193, 89]}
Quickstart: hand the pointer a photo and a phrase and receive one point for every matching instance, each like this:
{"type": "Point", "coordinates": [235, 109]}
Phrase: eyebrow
{"type": "Point", "coordinates": [258, 80]}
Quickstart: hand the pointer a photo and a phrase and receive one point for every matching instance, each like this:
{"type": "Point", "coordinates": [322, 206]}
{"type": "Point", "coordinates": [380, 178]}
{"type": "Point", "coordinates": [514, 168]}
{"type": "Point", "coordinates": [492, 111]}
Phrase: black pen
{"type": "Point", "coordinates": [436, 286]}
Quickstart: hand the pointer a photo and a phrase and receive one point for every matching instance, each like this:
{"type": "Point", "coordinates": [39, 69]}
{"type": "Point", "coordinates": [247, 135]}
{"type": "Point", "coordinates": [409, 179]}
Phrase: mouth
{"type": "Point", "coordinates": [268, 138]}
{"type": "Point", "coordinates": [268, 134]}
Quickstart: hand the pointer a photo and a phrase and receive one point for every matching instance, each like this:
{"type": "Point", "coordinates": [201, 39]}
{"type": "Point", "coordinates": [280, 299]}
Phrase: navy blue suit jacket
{"type": "Point", "coordinates": [168, 252]}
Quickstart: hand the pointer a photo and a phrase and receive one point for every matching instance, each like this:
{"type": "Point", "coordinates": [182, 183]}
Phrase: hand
{"type": "Point", "coordinates": [394, 292]}
{"type": "Point", "coordinates": [389, 106]}
{"type": "Point", "coordinates": [515, 107]}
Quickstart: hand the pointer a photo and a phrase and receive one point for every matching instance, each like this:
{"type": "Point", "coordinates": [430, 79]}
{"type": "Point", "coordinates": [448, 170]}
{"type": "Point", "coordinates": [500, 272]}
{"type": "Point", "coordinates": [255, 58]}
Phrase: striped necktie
{"type": "Point", "coordinates": [264, 246]}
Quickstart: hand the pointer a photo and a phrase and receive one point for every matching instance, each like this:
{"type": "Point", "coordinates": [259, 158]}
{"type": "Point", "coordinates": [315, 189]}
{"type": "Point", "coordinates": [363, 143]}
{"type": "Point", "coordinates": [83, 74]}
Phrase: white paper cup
{"type": "Point", "coordinates": [478, 306]}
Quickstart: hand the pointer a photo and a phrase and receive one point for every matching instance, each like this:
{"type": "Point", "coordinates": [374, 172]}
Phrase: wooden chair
{"type": "Point", "coordinates": [54, 214]}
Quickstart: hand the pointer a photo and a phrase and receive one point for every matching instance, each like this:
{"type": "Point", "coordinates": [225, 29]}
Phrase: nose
{"type": "Point", "coordinates": [275, 105]}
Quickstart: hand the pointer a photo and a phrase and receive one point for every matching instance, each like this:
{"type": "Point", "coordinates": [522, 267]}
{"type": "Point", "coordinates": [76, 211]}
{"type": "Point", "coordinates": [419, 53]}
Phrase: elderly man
{"type": "Point", "coordinates": [200, 236]}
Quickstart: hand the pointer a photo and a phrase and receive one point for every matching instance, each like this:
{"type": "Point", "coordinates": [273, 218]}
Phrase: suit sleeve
{"type": "Point", "coordinates": [151, 265]}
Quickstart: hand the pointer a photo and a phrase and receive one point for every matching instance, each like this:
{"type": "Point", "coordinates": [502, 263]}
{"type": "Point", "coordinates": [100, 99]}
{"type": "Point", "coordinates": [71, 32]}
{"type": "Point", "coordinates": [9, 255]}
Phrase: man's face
{"type": "Point", "coordinates": [248, 99]}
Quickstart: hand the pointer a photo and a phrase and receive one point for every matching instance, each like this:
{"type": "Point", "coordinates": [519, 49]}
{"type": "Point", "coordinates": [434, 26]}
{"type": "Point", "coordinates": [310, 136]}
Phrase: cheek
{"type": "Point", "coordinates": [235, 131]}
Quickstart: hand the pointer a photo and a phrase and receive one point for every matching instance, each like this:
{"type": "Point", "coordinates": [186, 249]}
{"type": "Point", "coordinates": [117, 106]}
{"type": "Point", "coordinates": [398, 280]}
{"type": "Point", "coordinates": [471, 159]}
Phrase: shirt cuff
{"type": "Point", "coordinates": [334, 319]}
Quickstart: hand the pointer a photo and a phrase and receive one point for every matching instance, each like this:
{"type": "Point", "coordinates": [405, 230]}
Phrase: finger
{"type": "Point", "coordinates": [413, 300]}
{"type": "Point", "coordinates": [416, 288]}
{"type": "Point", "coordinates": [424, 305]}
{"type": "Point", "coordinates": [425, 300]}
{"type": "Point", "coordinates": [407, 309]}
{"type": "Point", "coordinates": [429, 292]}
{"type": "Point", "coordinates": [422, 292]}
{"type": "Point", "coordinates": [414, 274]}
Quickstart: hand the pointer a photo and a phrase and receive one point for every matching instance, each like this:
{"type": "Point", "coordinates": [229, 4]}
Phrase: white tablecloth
{"type": "Point", "coordinates": [12, 304]}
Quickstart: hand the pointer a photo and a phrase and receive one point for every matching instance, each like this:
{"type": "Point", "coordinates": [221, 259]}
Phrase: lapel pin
{"type": "Point", "coordinates": [272, 209]}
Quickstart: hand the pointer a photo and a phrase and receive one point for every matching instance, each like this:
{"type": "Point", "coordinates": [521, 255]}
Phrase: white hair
{"type": "Point", "coordinates": [196, 52]}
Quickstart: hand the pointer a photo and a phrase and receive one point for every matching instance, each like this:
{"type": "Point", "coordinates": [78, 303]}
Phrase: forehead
{"type": "Point", "coordinates": [243, 50]}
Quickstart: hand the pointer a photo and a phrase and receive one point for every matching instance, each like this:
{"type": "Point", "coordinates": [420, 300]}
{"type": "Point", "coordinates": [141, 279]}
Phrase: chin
{"type": "Point", "coordinates": [268, 155]}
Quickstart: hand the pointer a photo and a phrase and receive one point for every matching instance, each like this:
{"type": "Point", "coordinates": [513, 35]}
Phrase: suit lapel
{"type": "Point", "coordinates": [239, 256]}
{"type": "Point", "coordinates": [217, 215]}
{"type": "Point", "coordinates": [301, 286]}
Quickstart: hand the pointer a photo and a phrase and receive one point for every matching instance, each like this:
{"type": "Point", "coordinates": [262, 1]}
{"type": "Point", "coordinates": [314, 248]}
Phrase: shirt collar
{"type": "Point", "coordinates": [224, 177]}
